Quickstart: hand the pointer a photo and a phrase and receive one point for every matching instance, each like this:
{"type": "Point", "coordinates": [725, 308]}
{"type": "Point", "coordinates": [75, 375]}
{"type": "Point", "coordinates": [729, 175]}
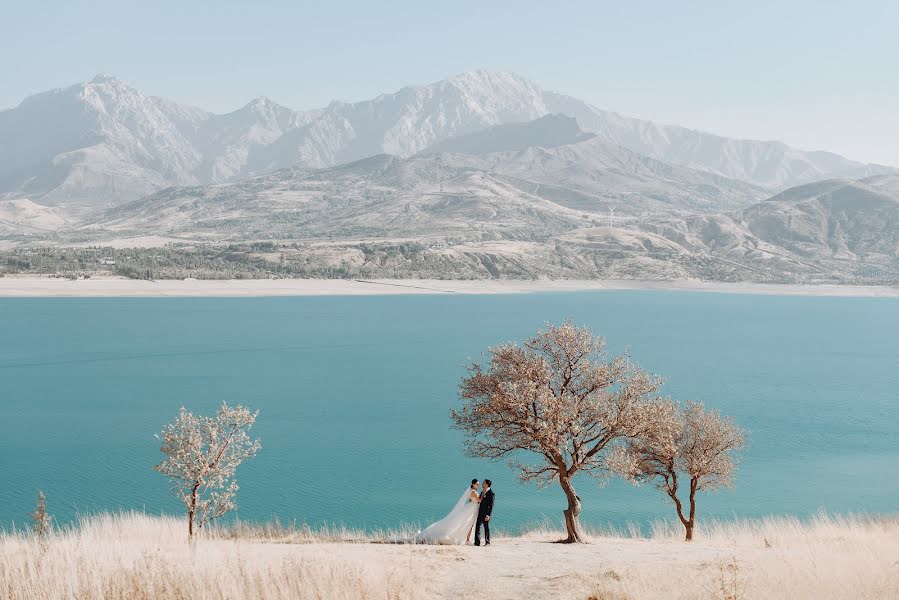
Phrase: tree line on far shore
{"type": "Point", "coordinates": [555, 406]}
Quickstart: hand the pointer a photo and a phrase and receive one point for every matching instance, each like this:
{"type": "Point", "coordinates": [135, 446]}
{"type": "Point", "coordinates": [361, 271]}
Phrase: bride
{"type": "Point", "coordinates": [454, 528]}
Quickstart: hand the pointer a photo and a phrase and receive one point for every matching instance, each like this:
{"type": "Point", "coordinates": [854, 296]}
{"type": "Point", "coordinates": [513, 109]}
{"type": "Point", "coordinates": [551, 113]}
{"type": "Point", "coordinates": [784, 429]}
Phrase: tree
{"type": "Point", "coordinates": [202, 455]}
{"type": "Point", "coordinates": [691, 442]}
{"type": "Point", "coordinates": [40, 518]}
{"type": "Point", "coordinates": [559, 398]}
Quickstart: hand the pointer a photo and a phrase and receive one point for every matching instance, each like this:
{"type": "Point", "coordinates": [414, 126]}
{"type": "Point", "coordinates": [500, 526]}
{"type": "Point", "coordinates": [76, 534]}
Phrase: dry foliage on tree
{"type": "Point", "coordinates": [691, 445]}
{"type": "Point", "coordinates": [202, 455]}
{"type": "Point", "coordinates": [40, 518]}
{"type": "Point", "coordinates": [557, 397]}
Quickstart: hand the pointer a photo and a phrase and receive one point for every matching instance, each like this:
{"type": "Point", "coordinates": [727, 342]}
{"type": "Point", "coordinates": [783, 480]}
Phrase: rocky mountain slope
{"type": "Point", "coordinates": [381, 196]}
{"type": "Point", "coordinates": [98, 143]}
{"type": "Point", "coordinates": [18, 217]}
{"type": "Point", "coordinates": [103, 142]}
{"type": "Point", "coordinates": [593, 175]}
{"type": "Point", "coordinates": [526, 191]}
{"type": "Point", "coordinates": [548, 131]}
{"type": "Point", "coordinates": [770, 164]}
{"type": "Point", "coordinates": [822, 227]}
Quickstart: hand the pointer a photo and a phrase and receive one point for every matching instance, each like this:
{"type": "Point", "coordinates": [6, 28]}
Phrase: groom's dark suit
{"type": "Point", "coordinates": [485, 509]}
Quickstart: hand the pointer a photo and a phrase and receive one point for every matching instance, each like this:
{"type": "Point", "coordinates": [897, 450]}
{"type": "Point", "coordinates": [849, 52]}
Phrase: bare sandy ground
{"type": "Point", "coordinates": [118, 287]}
{"type": "Point", "coordinates": [520, 568]}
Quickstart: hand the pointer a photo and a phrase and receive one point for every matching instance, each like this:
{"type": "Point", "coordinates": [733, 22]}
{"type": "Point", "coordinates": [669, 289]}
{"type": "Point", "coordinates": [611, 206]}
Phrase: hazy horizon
{"type": "Point", "coordinates": [815, 76]}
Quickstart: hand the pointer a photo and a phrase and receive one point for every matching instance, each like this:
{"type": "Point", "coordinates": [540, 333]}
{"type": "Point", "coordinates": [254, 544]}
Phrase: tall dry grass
{"type": "Point", "coordinates": [135, 556]}
{"type": "Point", "coordinates": [132, 556]}
{"type": "Point", "coordinates": [822, 558]}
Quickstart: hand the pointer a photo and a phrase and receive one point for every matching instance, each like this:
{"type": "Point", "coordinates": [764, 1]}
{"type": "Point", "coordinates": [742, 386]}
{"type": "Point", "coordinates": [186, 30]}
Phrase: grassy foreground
{"type": "Point", "coordinates": [140, 557]}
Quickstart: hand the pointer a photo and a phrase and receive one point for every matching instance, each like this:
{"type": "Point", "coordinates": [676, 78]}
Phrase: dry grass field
{"type": "Point", "coordinates": [134, 556]}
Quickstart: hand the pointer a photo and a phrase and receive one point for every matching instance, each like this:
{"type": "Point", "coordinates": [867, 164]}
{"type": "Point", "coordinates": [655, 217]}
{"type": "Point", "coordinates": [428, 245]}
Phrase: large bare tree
{"type": "Point", "coordinates": [556, 397]}
{"type": "Point", "coordinates": [690, 443]}
{"type": "Point", "coordinates": [202, 455]}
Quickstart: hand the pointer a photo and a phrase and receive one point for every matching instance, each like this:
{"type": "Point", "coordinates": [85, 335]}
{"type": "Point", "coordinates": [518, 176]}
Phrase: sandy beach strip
{"type": "Point", "coordinates": [120, 287]}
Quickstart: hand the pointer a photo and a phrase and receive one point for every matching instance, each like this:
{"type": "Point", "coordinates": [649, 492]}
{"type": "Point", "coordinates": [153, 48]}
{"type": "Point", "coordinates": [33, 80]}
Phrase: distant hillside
{"type": "Point", "coordinates": [595, 175]}
{"type": "Point", "coordinates": [419, 218]}
{"type": "Point", "coordinates": [381, 196]}
{"type": "Point", "coordinates": [19, 217]}
{"type": "Point", "coordinates": [827, 226]}
{"type": "Point", "coordinates": [533, 192]}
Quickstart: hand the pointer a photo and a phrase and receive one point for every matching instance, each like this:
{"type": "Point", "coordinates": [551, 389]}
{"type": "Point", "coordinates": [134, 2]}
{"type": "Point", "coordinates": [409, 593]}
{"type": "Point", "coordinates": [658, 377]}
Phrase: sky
{"type": "Point", "coordinates": [818, 75]}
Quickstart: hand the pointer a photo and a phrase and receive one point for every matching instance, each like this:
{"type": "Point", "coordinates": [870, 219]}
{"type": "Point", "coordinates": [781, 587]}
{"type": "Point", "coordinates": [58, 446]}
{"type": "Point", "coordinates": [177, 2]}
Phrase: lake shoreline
{"type": "Point", "coordinates": [122, 287]}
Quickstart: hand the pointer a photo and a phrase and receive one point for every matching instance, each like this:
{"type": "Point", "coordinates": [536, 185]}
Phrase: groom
{"type": "Point", "coordinates": [485, 509]}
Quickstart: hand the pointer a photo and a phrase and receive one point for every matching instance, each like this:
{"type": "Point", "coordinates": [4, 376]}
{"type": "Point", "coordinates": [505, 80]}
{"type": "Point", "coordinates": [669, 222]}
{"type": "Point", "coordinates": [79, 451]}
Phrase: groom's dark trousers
{"type": "Point", "coordinates": [485, 509]}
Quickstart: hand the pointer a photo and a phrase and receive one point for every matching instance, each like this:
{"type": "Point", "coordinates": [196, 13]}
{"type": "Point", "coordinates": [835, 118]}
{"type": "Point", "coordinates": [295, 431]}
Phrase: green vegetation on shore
{"type": "Point", "coordinates": [403, 260]}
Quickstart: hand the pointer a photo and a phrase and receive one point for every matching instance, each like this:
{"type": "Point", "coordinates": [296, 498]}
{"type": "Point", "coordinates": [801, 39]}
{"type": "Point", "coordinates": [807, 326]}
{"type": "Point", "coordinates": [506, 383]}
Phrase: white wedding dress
{"type": "Point", "coordinates": [454, 527]}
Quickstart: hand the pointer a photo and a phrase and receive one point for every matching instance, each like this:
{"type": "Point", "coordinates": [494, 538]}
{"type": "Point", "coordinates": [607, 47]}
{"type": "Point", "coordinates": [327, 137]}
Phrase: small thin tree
{"type": "Point", "coordinates": [556, 397]}
{"type": "Point", "coordinates": [41, 521]}
{"type": "Point", "coordinates": [690, 443]}
{"type": "Point", "coordinates": [202, 455]}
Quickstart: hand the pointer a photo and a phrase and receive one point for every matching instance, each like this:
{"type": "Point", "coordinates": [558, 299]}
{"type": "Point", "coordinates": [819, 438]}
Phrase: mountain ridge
{"type": "Point", "coordinates": [102, 142]}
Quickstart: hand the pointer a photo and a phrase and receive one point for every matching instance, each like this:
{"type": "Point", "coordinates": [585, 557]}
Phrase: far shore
{"type": "Point", "coordinates": [121, 287]}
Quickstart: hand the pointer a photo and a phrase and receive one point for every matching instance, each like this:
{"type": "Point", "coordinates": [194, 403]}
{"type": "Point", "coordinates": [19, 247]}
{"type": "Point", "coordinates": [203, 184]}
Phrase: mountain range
{"type": "Point", "coordinates": [102, 143]}
{"type": "Point", "coordinates": [481, 175]}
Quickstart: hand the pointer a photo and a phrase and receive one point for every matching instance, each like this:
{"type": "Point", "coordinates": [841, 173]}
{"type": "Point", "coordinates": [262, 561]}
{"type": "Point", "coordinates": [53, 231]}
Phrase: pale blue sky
{"type": "Point", "coordinates": [818, 75]}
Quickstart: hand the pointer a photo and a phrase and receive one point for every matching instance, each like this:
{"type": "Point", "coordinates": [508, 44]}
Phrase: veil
{"type": "Point", "coordinates": [454, 527]}
{"type": "Point", "coordinates": [462, 501]}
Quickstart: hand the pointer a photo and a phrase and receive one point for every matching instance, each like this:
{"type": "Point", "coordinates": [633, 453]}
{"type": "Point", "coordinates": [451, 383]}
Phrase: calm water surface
{"type": "Point", "coordinates": [354, 394]}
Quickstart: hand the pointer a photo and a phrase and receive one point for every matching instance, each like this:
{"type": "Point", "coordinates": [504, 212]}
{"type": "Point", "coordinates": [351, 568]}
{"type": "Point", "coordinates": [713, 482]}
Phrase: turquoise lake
{"type": "Point", "coordinates": [354, 395]}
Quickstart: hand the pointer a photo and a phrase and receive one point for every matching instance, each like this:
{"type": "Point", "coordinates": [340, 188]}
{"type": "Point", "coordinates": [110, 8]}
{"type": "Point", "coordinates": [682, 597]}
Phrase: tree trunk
{"type": "Point", "coordinates": [572, 513]}
{"type": "Point", "coordinates": [691, 522]}
{"type": "Point", "coordinates": [192, 511]}
{"type": "Point", "coordinates": [687, 523]}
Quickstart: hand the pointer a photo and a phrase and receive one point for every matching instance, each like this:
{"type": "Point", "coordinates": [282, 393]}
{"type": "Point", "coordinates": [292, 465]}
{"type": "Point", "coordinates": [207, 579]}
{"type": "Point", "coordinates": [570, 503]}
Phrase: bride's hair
{"type": "Point", "coordinates": [474, 482]}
